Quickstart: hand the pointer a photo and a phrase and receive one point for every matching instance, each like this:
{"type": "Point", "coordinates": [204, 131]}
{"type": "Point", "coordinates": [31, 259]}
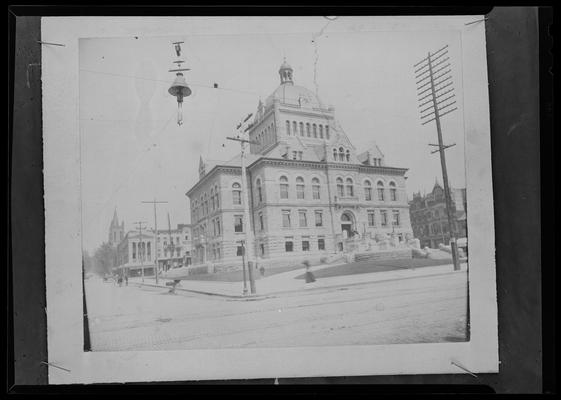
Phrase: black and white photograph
{"type": "Point", "coordinates": [299, 183]}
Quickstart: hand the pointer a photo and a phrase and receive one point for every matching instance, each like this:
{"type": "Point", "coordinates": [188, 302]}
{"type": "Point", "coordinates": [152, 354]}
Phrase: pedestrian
{"type": "Point", "coordinates": [126, 280]}
{"type": "Point", "coordinates": [262, 270]}
{"type": "Point", "coordinates": [120, 280]}
{"type": "Point", "coordinates": [309, 276]}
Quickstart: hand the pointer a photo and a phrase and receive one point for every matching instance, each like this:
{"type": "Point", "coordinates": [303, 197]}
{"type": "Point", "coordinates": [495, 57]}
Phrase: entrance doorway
{"type": "Point", "coordinates": [347, 224]}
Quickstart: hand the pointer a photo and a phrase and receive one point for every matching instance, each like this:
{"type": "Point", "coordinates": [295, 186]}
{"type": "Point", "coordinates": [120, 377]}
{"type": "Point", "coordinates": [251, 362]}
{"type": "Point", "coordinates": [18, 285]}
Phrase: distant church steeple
{"type": "Point", "coordinates": [285, 72]}
{"type": "Point", "coordinates": [116, 230]}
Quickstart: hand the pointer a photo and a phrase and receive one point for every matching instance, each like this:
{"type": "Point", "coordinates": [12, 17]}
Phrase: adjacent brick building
{"type": "Point", "coordinates": [429, 219]}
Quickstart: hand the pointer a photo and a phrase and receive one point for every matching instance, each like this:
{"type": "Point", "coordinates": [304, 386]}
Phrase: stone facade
{"type": "Point", "coordinates": [429, 219]}
{"type": "Point", "coordinates": [310, 191]}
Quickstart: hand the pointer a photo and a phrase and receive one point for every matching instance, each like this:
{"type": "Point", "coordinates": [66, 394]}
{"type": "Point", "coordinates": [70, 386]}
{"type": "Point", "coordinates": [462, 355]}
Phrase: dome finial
{"type": "Point", "coordinates": [285, 72]}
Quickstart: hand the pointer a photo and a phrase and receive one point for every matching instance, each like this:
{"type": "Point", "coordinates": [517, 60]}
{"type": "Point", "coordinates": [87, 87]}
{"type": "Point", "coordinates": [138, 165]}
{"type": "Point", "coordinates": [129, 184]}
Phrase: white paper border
{"type": "Point", "coordinates": [63, 229]}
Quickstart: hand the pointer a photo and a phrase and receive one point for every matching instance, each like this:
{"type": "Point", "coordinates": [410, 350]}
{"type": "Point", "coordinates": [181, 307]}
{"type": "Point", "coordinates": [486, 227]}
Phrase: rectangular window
{"type": "Point", "coordinates": [384, 217]}
{"type": "Point", "coordinates": [396, 217]}
{"type": "Point", "coordinates": [381, 194]}
{"type": "Point", "coordinates": [218, 226]}
{"type": "Point", "coordinates": [261, 224]}
{"type": "Point", "coordinates": [393, 194]}
{"type": "Point", "coordinates": [262, 249]}
{"type": "Point", "coordinates": [286, 218]}
{"type": "Point", "coordinates": [299, 191]}
{"type": "Point", "coordinates": [289, 246]}
{"type": "Point", "coordinates": [321, 244]}
{"type": "Point", "coordinates": [284, 191]}
{"type": "Point", "coordinates": [134, 251]}
{"type": "Point", "coordinates": [315, 192]}
{"type": "Point", "coordinates": [238, 223]}
{"type": "Point", "coordinates": [368, 194]}
{"type": "Point", "coordinates": [319, 218]}
{"type": "Point", "coordinates": [237, 197]}
{"type": "Point", "coordinates": [302, 219]}
{"type": "Point", "coordinates": [239, 251]}
{"type": "Point", "coordinates": [371, 218]}
{"type": "Point", "coordinates": [305, 245]}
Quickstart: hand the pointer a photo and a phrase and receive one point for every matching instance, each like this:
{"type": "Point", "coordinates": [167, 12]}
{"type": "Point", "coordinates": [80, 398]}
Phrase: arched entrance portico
{"type": "Point", "coordinates": [348, 223]}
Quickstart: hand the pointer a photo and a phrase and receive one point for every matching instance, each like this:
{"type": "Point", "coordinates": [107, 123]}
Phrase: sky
{"type": "Point", "coordinates": [132, 149]}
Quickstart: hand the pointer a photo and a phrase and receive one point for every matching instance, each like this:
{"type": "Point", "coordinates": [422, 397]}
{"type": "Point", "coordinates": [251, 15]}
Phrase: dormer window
{"type": "Point", "coordinates": [341, 154]}
{"type": "Point", "coordinates": [348, 156]}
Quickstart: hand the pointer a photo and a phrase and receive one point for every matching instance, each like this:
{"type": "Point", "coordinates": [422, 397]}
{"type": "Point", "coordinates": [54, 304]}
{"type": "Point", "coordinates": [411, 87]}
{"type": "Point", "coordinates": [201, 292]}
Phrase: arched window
{"type": "Point", "coordinates": [315, 130]}
{"type": "Point", "coordinates": [367, 190]}
{"type": "Point", "coordinates": [335, 154]}
{"type": "Point", "coordinates": [237, 193]}
{"type": "Point", "coordinates": [341, 154]}
{"type": "Point", "coordinates": [212, 204]}
{"type": "Point", "coordinates": [294, 128]}
{"type": "Point", "coordinates": [321, 131]}
{"type": "Point", "coordinates": [283, 187]}
{"type": "Point", "coordinates": [300, 188]}
{"type": "Point", "coordinates": [206, 204]}
{"type": "Point", "coordinates": [217, 194]}
{"type": "Point", "coordinates": [259, 191]}
{"type": "Point", "coordinates": [315, 189]}
{"type": "Point", "coordinates": [301, 129]}
{"type": "Point", "coordinates": [308, 133]}
{"type": "Point", "coordinates": [340, 188]}
{"type": "Point", "coordinates": [348, 155]}
{"type": "Point", "coordinates": [393, 191]}
{"type": "Point", "coordinates": [288, 128]}
{"type": "Point", "coordinates": [148, 252]}
{"type": "Point", "coordinates": [327, 132]}
{"type": "Point", "coordinates": [380, 186]}
{"type": "Point", "coordinates": [350, 187]}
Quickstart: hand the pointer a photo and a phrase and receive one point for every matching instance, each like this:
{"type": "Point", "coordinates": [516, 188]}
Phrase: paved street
{"type": "Point", "coordinates": [414, 310]}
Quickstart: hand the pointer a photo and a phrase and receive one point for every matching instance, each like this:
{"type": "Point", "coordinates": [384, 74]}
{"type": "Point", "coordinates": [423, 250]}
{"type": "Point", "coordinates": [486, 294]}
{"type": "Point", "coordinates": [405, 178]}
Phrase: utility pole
{"type": "Point", "coordinates": [140, 247]}
{"type": "Point", "coordinates": [436, 94]}
{"type": "Point", "coordinates": [154, 202]}
{"type": "Point", "coordinates": [248, 244]}
{"type": "Point", "coordinates": [171, 246]}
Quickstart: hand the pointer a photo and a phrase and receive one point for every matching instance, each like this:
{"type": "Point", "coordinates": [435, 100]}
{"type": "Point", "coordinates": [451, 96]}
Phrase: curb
{"type": "Point", "coordinates": [253, 297]}
{"type": "Point", "coordinates": [248, 297]}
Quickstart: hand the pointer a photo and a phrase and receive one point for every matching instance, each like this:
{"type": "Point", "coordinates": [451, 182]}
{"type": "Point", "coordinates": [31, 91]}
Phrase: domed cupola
{"type": "Point", "coordinates": [285, 72]}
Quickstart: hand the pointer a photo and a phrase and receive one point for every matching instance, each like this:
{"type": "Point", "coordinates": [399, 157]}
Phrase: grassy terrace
{"type": "Point", "coordinates": [365, 267]}
{"type": "Point", "coordinates": [362, 267]}
{"type": "Point", "coordinates": [237, 276]}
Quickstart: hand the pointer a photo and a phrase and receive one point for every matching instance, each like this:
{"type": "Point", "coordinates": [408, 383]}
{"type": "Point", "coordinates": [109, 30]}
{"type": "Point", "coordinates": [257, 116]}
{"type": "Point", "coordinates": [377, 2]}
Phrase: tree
{"type": "Point", "coordinates": [105, 259]}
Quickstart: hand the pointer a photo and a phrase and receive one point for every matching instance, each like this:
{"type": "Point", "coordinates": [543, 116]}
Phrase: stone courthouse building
{"type": "Point", "coordinates": [311, 192]}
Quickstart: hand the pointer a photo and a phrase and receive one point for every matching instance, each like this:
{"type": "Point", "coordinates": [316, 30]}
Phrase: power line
{"type": "Point", "coordinates": [215, 86]}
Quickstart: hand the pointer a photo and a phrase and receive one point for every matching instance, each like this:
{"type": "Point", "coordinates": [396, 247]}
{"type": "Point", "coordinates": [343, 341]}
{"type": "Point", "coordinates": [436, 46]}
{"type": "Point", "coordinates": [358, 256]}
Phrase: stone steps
{"type": "Point", "coordinates": [384, 255]}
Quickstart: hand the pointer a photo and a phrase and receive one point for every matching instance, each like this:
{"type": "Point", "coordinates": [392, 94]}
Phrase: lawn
{"type": "Point", "coordinates": [237, 276]}
{"type": "Point", "coordinates": [365, 267]}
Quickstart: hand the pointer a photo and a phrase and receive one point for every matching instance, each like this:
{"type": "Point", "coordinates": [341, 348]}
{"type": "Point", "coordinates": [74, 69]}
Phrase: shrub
{"type": "Point", "coordinates": [323, 260]}
{"type": "Point", "coordinates": [306, 263]}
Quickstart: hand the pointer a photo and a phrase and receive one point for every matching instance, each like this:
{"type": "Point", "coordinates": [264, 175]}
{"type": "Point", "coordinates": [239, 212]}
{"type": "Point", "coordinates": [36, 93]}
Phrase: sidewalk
{"type": "Point", "coordinates": [286, 282]}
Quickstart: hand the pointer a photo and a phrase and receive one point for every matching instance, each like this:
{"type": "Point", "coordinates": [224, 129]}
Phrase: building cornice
{"type": "Point", "coordinates": [235, 170]}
